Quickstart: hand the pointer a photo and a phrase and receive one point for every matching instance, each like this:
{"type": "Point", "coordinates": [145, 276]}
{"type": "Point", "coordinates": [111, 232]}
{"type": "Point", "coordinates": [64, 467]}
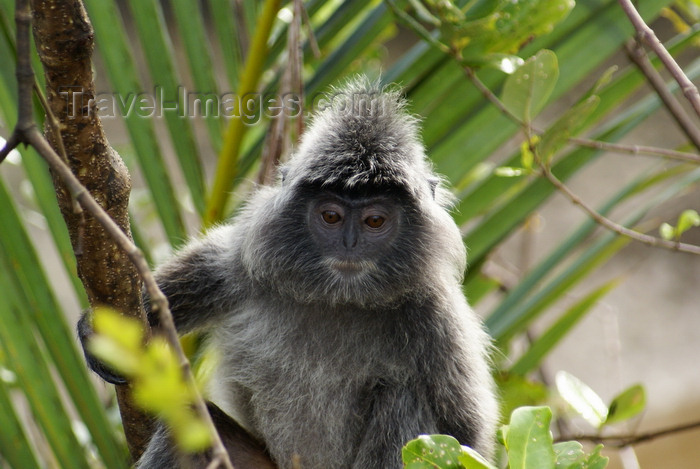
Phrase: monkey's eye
{"type": "Point", "coordinates": [374, 221]}
{"type": "Point", "coordinates": [330, 216]}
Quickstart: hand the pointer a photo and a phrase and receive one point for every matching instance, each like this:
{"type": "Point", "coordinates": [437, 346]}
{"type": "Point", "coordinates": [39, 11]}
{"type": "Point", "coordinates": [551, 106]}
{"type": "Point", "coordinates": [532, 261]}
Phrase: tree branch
{"type": "Point", "coordinates": [63, 35]}
{"type": "Point", "coordinates": [637, 54]}
{"type": "Point", "coordinates": [646, 35]}
{"type": "Point", "coordinates": [611, 225]}
{"type": "Point", "coordinates": [621, 441]}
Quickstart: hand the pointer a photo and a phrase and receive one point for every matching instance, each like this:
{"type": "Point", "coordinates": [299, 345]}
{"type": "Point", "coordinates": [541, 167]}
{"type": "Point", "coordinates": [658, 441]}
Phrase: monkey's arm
{"type": "Point", "coordinates": [201, 283]}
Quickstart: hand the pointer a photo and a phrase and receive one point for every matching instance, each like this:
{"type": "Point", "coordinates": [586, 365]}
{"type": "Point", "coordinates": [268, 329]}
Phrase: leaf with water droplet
{"type": "Point", "coordinates": [432, 452]}
{"type": "Point", "coordinates": [529, 440]}
{"type": "Point", "coordinates": [568, 453]}
{"type": "Point", "coordinates": [527, 90]}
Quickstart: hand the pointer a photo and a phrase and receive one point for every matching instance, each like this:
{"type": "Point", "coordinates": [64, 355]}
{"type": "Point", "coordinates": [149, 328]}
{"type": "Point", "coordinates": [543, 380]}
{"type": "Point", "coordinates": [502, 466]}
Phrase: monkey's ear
{"type": "Point", "coordinates": [283, 170]}
{"type": "Point", "coordinates": [433, 183]}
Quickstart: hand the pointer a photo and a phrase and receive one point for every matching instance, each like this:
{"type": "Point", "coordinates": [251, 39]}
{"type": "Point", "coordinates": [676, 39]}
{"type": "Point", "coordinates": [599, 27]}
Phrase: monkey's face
{"type": "Point", "coordinates": [336, 248]}
{"type": "Point", "coordinates": [353, 233]}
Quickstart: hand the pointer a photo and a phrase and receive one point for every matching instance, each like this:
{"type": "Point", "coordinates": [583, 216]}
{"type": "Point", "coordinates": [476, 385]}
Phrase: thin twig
{"type": "Point", "coordinates": [636, 53]}
{"type": "Point", "coordinates": [636, 149]}
{"type": "Point", "coordinates": [620, 441]}
{"type": "Point", "coordinates": [647, 35]}
{"type": "Point", "coordinates": [611, 225]}
{"type": "Point", "coordinates": [488, 94]}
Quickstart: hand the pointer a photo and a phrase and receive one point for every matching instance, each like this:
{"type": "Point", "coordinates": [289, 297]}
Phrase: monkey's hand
{"type": "Point", "coordinates": [85, 331]}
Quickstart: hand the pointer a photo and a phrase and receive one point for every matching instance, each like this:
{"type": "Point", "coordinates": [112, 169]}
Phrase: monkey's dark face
{"type": "Point", "coordinates": [353, 233]}
{"type": "Point", "coordinates": [318, 245]}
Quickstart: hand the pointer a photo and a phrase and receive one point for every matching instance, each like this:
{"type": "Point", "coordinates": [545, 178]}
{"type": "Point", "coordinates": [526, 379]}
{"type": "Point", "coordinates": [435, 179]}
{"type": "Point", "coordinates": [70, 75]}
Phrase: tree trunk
{"type": "Point", "coordinates": [64, 40]}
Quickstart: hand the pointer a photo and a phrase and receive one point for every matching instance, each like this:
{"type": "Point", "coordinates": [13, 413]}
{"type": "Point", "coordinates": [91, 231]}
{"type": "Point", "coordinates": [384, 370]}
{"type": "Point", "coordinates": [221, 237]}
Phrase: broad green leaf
{"type": "Point", "coordinates": [570, 455]}
{"type": "Point", "coordinates": [528, 439]}
{"type": "Point", "coordinates": [228, 39]}
{"type": "Point", "coordinates": [31, 365]}
{"type": "Point", "coordinates": [432, 452]}
{"type": "Point", "coordinates": [27, 287]}
{"type": "Point", "coordinates": [584, 400]}
{"type": "Point", "coordinates": [520, 21]}
{"type": "Point", "coordinates": [527, 90]}
{"type": "Point", "coordinates": [157, 46]}
{"type": "Point", "coordinates": [14, 443]}
{"type": "Point", "coordinates": [627, 404]}
{"type": "Point", "coordinates": [193, 33]}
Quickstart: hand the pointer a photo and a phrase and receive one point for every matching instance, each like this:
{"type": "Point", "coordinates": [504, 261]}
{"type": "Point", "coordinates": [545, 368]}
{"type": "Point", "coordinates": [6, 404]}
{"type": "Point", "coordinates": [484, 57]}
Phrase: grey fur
{"type": "Point", "coordinates": [340, 370]}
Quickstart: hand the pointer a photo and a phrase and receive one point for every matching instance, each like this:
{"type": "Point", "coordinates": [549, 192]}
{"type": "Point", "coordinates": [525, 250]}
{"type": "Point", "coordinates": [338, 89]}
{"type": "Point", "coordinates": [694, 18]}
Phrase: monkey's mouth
{"type": "Point", "coordinates": [349, 267]}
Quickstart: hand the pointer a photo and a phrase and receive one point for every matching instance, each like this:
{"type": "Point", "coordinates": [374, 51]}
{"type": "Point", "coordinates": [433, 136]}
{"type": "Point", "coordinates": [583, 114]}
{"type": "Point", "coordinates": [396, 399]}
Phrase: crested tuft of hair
{"type": "Point", "coordinates": [362, 138]}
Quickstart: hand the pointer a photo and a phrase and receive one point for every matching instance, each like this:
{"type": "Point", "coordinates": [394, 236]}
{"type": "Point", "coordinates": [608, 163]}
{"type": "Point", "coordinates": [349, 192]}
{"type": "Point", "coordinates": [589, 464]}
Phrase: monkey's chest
{"type": "Point", "coordinates": [299, 383]}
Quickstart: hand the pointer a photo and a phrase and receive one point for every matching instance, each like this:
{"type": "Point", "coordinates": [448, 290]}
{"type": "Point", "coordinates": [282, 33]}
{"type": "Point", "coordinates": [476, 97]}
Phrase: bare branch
{"type": "Point", "coordinates": [647, 36]}
{"type": "Point", "coordinates": [637, 150]}
{"type": "Point", "coordinates": [637, 54]}
{"type": "Point", "coordinates": [621, 441]}
{"type": "Point", "coordinates": [611, 225]}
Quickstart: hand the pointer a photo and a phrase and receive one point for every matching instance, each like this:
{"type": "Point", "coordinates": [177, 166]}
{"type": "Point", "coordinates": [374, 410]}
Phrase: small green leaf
{"type": "Point", "coordinates": [568, 453]}
{"type": "Point", "coordinates": [603, 81]}
{"type": "Point", "coordinates": [127, 332]}
{"type": "Point", "coordinates": [667, 232]}
{"type": "Point", "coordinates": [687, 220]}
{"type": "Point", "coordinates": [528, 439]}
{"type": "Point", "coordinates": [595, 460]}
{"type": "Point", "coordinates": [527, 90]}
{"type": "Point", "coordinates": [432, 452]}
{"type": "Point", "coordinates": [527, 157]}
{"type": "Point", "coordinates": [627, 404]}
{"type": "Point", "coordinates": [582, 398]}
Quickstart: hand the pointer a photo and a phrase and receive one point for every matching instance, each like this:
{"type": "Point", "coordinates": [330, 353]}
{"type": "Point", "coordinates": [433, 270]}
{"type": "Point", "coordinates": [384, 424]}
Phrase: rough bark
{"type": "Point", "coordinates": [64, 40]}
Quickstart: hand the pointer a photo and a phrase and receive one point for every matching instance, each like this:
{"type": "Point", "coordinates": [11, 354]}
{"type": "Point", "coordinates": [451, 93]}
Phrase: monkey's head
{"type": "Point", "coordinates": [358, 216]}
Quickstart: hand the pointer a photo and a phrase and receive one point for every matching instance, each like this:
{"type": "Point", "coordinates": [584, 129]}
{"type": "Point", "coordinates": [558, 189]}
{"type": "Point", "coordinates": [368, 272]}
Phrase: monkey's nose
{"type": "Point", "coordinates": [350, 238]}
